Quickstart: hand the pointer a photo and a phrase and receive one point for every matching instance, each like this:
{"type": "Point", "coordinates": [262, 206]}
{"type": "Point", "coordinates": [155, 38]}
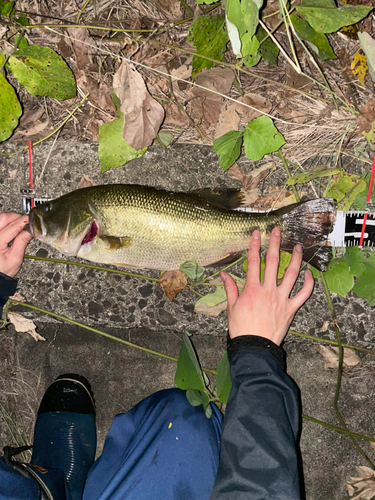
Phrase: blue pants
{"type": "Point", "coordinates": [163, 448]}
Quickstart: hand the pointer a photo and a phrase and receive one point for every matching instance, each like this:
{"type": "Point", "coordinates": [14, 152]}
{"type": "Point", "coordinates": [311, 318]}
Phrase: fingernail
{"type": "Point", "coordinates": [276, 231]}
{"type": "Point", "coordinates": [223, 276]}
{"type": "Point", "coordinates": [298, 248]}
{"type": "Point", "coordinates": [256, 235]}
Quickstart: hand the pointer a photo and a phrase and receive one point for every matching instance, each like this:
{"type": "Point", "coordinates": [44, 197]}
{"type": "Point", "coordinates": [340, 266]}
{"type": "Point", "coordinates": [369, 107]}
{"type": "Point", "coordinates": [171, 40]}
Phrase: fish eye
{"type": "Point", "coordinates": [48, 207]}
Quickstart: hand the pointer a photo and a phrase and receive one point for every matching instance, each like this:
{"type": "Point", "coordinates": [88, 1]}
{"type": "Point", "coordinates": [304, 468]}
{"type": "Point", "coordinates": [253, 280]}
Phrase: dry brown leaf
{"type": "Point", "coordinates": [251, 180]}
{"type": "Point", "coordinates": [84, 48]}
{"type": "Point", "coordinates": [331, 357]}
{"type": "Point", "coordinates": [367, 116]}
{"type": "Point", "coordinates": [24, 325]}
{"type": "Point", "coordinates": [142, 114]}
{"type": "Point", "coordinates": [100, 94]}
{"type": "Point", "coordinates": [365, 482]}
{"type": "Point", "coordinates": [172, 9]}
{"type": "Point", "coordinates": [31, 126]}
{"type": "Point", "coordinates": [372, 444]}
{"type": "Point", "coordinates": [275, 198]}
{"type": "Point", "coordinates": [175, 116]}
{"type": "Point", "coordinates": [172, 283]}
{"type": "Point", "coordinates": [257, 101]}
{"type": "Point", "coordinates": [217, 79]}
{"type": "Point", "coordinates": [213, 311]}
{"type": "Point", "coordinates": [296, 80]}
{"type": "Point", "coordinates": [228, 120]}
{"type": "Point", "coordinates": [206, 108]}
{"type": "Point", "coordinates": [85, 182]}
{"type": "Point", "coordinates": [297, 116]}
{"type": "Point", "coordinates": [17, 296]}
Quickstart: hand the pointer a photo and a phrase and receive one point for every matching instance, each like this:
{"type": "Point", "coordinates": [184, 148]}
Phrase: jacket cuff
{"type": "Point", "coordinates": [8, 287]}
{"type": "Point", "coordinates": [256, 343]}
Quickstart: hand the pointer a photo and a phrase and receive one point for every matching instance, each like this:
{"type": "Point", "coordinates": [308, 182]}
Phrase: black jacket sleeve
{"type": "Point", "coordinates": [8, 286]}
{"type": "Point", "coordinates": [258, 459]}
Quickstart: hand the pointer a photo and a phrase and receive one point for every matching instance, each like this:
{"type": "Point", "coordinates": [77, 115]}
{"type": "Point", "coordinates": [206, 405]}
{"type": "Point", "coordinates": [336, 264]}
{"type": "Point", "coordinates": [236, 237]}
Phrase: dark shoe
{"type": "Point", "coordinates": [65, 434]}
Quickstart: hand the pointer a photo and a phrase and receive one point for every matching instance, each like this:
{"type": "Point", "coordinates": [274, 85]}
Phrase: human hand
{"type": "Point", "coordinates": [265, 309]}
{"type": "Point", "coordinates": [11, 229]}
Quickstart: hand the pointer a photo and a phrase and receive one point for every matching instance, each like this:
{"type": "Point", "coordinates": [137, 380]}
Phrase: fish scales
{"type": "Point", "coordinates": [140, 226]}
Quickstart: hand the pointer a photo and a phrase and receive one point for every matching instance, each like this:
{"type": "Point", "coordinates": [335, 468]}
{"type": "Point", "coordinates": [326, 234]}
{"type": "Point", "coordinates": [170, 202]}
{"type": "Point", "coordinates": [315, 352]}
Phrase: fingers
{"type": "Point", "coordinates": [272, 258]}
{"type": "Point", "coordinates": [7, 217]}
{"type": "Point", "coordinates": [12, 229]}
{"type": "Point", "coordinates": [308, 285]}
{"type": "Point", "coordinates": [292, 272]}
{"type": "Point", "coordinates": [20, 243]}
{"type": "Point", "coordinates": [230, 287]}
{"type": "Point", "coordinates": [253, 260]}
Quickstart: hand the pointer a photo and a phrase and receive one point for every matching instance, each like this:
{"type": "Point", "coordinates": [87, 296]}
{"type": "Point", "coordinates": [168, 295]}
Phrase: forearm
{"type": "Point", "coordinates": [258, 451]}
{"type": "Point", "coordinates": [8, 286]}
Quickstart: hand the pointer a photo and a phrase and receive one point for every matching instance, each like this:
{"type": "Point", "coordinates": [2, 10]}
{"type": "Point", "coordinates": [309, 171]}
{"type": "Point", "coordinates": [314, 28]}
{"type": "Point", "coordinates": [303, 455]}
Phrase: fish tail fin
{"type": "Point", "coordinates": [309, 224]}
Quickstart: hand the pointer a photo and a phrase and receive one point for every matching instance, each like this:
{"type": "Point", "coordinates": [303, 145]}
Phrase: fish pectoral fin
{"type": "Point", "coordinates": [227, 259]}
{"type": "Point", "coordinates": [116, 242]}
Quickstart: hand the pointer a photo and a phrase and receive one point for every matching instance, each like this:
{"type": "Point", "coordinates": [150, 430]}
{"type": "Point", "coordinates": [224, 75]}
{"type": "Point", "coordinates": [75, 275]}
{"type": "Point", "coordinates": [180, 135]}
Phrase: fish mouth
{"type": "Point", "coordinates": [90, 235]}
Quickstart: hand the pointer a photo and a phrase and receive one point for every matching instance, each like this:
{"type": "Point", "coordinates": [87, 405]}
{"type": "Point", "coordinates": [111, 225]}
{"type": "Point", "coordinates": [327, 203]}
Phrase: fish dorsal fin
{"type": "Point", "coordinates": [227, 199]}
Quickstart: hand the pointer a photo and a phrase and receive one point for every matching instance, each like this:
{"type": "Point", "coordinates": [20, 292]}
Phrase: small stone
{"type": "Point", "coordinates": [166, 318]}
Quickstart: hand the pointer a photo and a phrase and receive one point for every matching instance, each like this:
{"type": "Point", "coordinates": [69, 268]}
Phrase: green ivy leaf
{"type": "Point", "coordinates": [325, 17]}
{"type": "Point", "coordinates": [228, 146]}
{"type": "Point", "coordinates": [223, 380]}
{"type": "Point", "coordinates": [267, 49]}
{"type": "Point", "coordinates": [114, 151]}
{"type": "Point", "coordinates": [317, 41]}
{"type": "Point", "coordinates": [338, 277]}
{"type": "Point", "coordinates": [364, 286]}
{"type": "Point", "coordinates": [189, 373]}
{"type": "Point", "coordinates": [212, 299]}
{"type": "Point", "coordinates": [192, 269]}
{"type": "Point", "coordinates": [361, 200]}
{"type": "Point", "coordinates": [10, 109]}
{"type": "Point", "coordinates": [42, 72]}
{"type": "Point", "coordinates": [356, 260]}
{"type": "Point", "coordinates": [317, 173]}
{"type": "Point", "coordinates": [209, 35]}
{"type": "Point", "coordinates": [261, 137]}
{"type": "Point", "coordinates": [345, 190]}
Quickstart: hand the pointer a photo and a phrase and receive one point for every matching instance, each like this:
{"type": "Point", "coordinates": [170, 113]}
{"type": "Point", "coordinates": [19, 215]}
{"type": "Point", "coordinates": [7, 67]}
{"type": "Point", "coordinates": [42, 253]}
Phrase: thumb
{"type": "Point", "coordinates": [230, 287]}
{"type": "Point", "coordinates": [20, 243]}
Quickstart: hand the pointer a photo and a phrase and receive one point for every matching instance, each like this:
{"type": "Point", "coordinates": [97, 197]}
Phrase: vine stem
{"type": "Point", "coordinates": [100, 332]}
{"type": "Point", "coordinates": [338, 429]}
{"type": "Point", "coordinates": [339, 374]}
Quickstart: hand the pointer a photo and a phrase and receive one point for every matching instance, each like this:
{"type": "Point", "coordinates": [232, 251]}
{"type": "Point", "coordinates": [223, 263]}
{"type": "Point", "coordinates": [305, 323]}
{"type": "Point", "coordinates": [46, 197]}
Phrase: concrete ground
{"type": "Point", "coordinates": [136, 310]}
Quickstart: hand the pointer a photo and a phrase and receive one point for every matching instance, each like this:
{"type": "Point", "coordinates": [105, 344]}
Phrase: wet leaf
{"type": "Point", "coordinates": [223, 380]}
{"type": "Point", "coordinates": [317, 173]}
{"type": "Point", "coordinates": [172, 283]}
{"type": "Point", "coordinates": [368, 47]}
{"type": "Point", "coordinates": [228, 147]}
{"type": "Point", "coordinates": [189, 373]}
{"type": "Point", "coordinates": [209, 35]}
{"type": "Point", "coordinates": [261, 137]}
{"type": "Point", "coordinates": [324, 17]}
{"type": "Point", "coordinates": [143, 115]}
{"type": "Point", "coordinates": [212, 304]}
{"type": "Point", "coordinates": [192, 270]}
{"type": "Point", "coordinates": [24, 325]}
{"type": "Point", "coordinates": [317, 41]}
{"type": "Point", "coordinates": [10, 109]}
{"type": "Point", "coordinates": [364, 484]}
{"type": "Point", "coordinates": [42, 72]}
{"type": "Point", "coordinates": [331, 357]}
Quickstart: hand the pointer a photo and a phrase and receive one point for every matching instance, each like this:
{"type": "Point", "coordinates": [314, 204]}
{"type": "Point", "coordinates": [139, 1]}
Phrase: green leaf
{"type": "Point", "coordinates": [244, 14]}
{"type": "Point", "coordinates": [194, 397]}
{"type": "Point", "coordinates": [23, 21]}
{"type": "Point", "coordinates": [189, 373]}
{"type": "Point", "coordinates": [22, 43]}
{"type": "Point", "coordinates": [42, 72]}
{"type": "Point", "coordinates": [317, 173]}
{"type": "Point", "coordinates": [209, 35]}
{"type": "Point", "coordinates": [267, 49]}
{"type": "Point", "coordinates": [317, 41]}
{"type": "Point", "coordinates": [228, 146]}
{"type": "Point", "coordinates": [207, 2]}
{"type": "Point", "coordinates": [212, 299]}
{"type": "Point", "coordinates": [356, 260]}
{"type": "Point", "coordinates": [284, 263]}
{"type": "Point", "coordinates": [368, 47]}
{"type": "Point", "coordinates": [345, 190]}
{"type": "Point", "coordinates": [250, 50]}
{"type": "Point", "coordinates": [6, 8]}
{"type": "Point", "coordinates": [364, 286]}
{"type": "Point", "coordinates": [325, 17]}
{"type": "Point", "coordinates": [165, 138]}
{"type": "Point", "coordinates": [261, 137]}
{"type": "Point", "coordinates": [361, 200]}
{"type": "Point", "coordinates": [338, 277]}
{"type": "Point", "coordinates": [10, 109]}
{"type": "Point", "coordinates": [192, 270]}
{"type": "Point", "coordinates": [114, 151]}
{"type": "Point", "coordinates": [206, 404]}
{"type": "Point", "coordinates": [223, 380]}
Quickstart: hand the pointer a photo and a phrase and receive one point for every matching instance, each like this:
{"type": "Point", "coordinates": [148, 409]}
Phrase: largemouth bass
{"type": "Point", "coordinates": [143, 227]}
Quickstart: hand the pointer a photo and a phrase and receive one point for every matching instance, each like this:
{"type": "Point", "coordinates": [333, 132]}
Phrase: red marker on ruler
{"type": "Point", "coordinates": [31, 173]}
{"type": "Point", "coordinates": [368, 200]}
